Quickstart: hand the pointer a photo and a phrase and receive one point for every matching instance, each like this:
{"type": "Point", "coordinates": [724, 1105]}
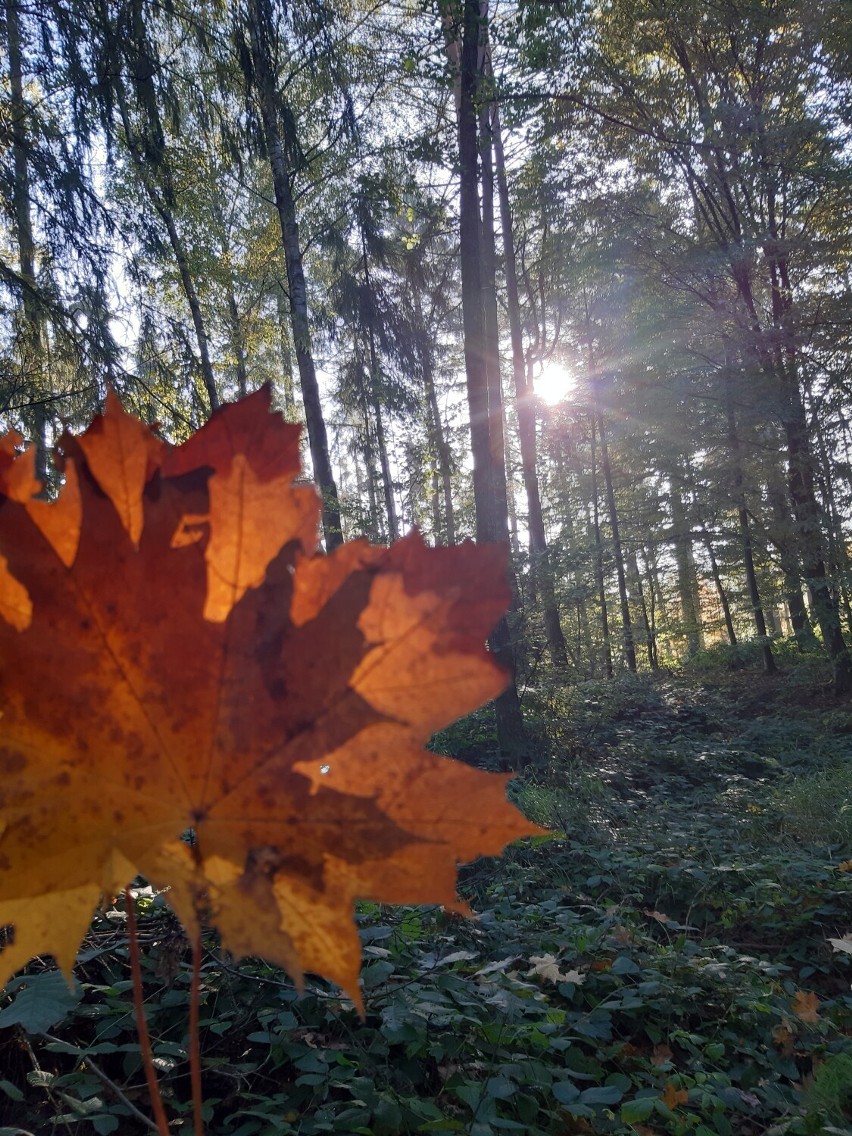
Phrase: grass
{"type": "Point", "coordinates": [660, 965]}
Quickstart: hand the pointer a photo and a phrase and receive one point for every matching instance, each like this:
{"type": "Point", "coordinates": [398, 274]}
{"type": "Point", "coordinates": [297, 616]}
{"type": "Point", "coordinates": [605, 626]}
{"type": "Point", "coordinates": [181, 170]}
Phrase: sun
{"type": "Point", "coordinates": [555, 383]}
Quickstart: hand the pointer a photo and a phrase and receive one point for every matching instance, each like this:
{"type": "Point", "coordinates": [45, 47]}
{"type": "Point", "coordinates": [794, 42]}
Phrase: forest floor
{"type": "Point", "coordinates": [662, 964]}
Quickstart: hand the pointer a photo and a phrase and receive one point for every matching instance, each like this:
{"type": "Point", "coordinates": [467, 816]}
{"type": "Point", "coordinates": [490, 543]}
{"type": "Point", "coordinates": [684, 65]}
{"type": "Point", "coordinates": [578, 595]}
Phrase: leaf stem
{"type": "Point", "coordinates": [194, 1043]}
{"type": "Point", "coordinates": [141, 1023]}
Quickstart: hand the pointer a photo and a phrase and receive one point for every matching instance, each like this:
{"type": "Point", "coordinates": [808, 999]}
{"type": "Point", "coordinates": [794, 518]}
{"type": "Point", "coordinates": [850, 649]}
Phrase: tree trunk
{"type": "Point", "coordinates": [806, 512]}
{"type": "Point", "coordinates": [437, 436]}
{"type": "Point", "coordinates": [32, 340]}
{"type": "Point", "coordinates": [150, 160]}
{"type": "Point", "coordinates": [745, 529]}
{"type": "Point", "coordinates": [540, 566]}
{"type": "Point", "coordinates": [720, 587]}
{"type": "Point", "coordinates": [286, 355]}
{"type": "Point", "coordinates": [510, 731]}
{"type": "Point", "coordinates": [237, 343]}
{"type": "Point", "coordinates": [381, 440]}
{"type": "Point", "coordinates": [838, 556]}
{"type": "Point", "coordinates": [440, 448]}
{"type": "Point", "coordinates": [260, 35]}
{"type": "Point", "coordinates": [783, 540]}
{"type": "Point", "coordinates": [618, 555]}
{"type": "Point", "coordinates": [599, 572]}
{"type": "Point", "coordinates": [686, 576]}
{"type": "Point", "coordinates": [650, 608]}
{"type": "Point", "coordinates": [650, 645]}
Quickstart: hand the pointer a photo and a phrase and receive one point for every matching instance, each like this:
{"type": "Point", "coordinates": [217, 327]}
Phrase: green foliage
{"type": "Point", "coordinates": [644, 967]}
{"type": "Point", "coordinates": [818, 807]}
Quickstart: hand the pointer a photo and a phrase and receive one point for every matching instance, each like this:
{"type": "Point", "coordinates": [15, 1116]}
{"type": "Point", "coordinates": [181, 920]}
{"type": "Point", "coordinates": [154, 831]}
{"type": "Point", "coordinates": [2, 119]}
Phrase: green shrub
{"type": "Point", "coordinates": [830, 1095]}
{"type": "Point", "coordinates": [817, 807]}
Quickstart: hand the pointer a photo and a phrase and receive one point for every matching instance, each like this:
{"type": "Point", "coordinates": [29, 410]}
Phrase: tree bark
{"type": "Point", "coordinates": [540, 566]}
{"type": "Point", "coordinates": [32, 340]}
{"type": "Point", "coordinates": [599, 572]}
{"type": "Point", "coordinates": [618, 555]}
{"type": "Point", "coordinates": [237, 342]}
{"type": "Point", "coordinates": [720, 587]}
{"type": "Point", "coordinates": [686, 577]}
{"type": "Point", "coordinates": [149, 159]}
{"type": "Point", "coordinates": [510, 730]}
{"type": "Point", "coordinates": [783, 539]}
{"type": "Point", "coordinates": [650, 643]}
{"type": "Point", "coordinates": [381, 440]}
{"type": "Point", "coordinates": [286, 355]}
{"type": "Point", "coordinates": [745, 528]}
{"type": "Point", "coordinates": [260, 34]}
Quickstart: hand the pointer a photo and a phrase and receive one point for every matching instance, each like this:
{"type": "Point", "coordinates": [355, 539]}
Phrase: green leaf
{"type": "Point", "coordinates": [566, 1092]}
{"type": "Point", "coordinates": [500, 1087]}
{"type": "Point", "coordinates": [635, 1111]}
{"type": "Point", "coordinates": [104, 1124]}
{"type": "Point", "coordinates": [604, 1094]}
{"type": "Point", "coordinates": [43, 1001]}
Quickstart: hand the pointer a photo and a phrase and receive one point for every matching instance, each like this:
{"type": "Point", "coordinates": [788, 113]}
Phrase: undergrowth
{"type": "Point", "coordinates": [661, 964]}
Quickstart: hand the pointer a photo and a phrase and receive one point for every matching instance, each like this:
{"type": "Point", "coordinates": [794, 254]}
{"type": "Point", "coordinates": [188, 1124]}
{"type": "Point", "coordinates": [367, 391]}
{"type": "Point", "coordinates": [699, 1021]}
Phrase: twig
{"type": "Point", "coordinates": [119, 1093]}
{"type": "Point", "coordinates": [194, 1043]}
{"type": "Point", "coordinates": [162, 1126]}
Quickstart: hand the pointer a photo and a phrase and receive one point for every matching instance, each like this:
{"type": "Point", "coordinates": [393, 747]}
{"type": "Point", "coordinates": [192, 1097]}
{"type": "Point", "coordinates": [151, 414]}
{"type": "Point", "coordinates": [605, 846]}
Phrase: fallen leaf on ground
{"type": "Point", "coordinates": [661, 1054]}
{"type": "Point", "coordinates": [844, 944]}
{"type": "Point", "coordinates": [546, 966]}
{"type": "Point", "coordinates": [175, 654]}
{"type": "Point", "coordinates": [673, 1096]}
{"type": "Point", "coordinates": [658, 915]}
{"type": "Point", "coordinates": [805, 1006]}
{"type": "Point", "coordinates": [783, 1036]}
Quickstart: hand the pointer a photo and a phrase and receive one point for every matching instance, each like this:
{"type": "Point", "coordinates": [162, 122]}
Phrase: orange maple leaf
{"type": "Point", "coordinates": [805, 1006]}
{"type": "Point", "coordinates": [673, 1096]}
{"type": "Point", "coordinates": [175, 654]}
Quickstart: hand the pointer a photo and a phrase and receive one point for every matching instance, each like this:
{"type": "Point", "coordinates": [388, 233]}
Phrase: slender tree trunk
{"type": "Point", "coordinates": [806, 512]}
{"type": "Point", "coordinates": [650, 646]}
{"type": "Point", "coordinates": [440, 448]}
{"type": "Point", "coordinates": [375, 394]}
{"type": "Point", "coordinates": [286, 354]}
{"type": "Point", "coordinates": [784, 540]}
{"type": "Point", "coordinates": [437, 436]}
{"type": "Point", "coordinates": [32, 339]}
{"type": "Point", "coordinates": [838, 556]}
{"type": "Point", "coordinates": [800, 469]}
{"type": "Point", "coordinates": [745, 528]}
{"type": "Point", "coordinates": [384, 465]}
{"type": "Point", "coordinates": [618, 555]}
{"type": "Point", "coordinates": [599, 572]}
{"type": "Point", "coordinates": [435, 505]}
{"type": "Point", "coordinates": [375, 530]}
{"type": "Point", "coordinates": [237, 343]}
{"type": "Point", "coordinates": [540, 565]}
{"type": "Point", "coordinates": [686, 575]}
{"type": "Point", "coordinates": [274, 126]}
{"type": "Point", "coordinates": [155, 176]}
{"type": "Point", "coordinates": [489, 524]}
{"type": "Point", "coordinates": [650, 609]}
{"type": "Point", "coordinates": [720, 587]}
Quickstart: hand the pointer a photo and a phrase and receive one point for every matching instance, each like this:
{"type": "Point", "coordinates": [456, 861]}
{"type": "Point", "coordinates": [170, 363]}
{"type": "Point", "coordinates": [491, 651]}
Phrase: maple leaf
{"type": "Point", "coordinates": [175, 653]}
{"type": "Point", "coordinates": [546, 966]}
{"type": "Point", "coordinates": [673, 1096]}
{"type": "Point", "coordinates": [805, 1006]}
